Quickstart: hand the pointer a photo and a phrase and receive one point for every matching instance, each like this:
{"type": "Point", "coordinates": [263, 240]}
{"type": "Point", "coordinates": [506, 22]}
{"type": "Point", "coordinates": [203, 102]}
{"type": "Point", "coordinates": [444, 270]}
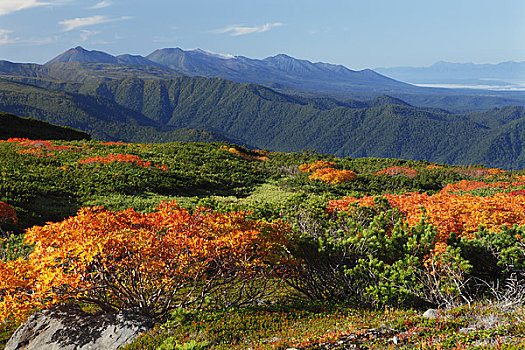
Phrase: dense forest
{"type": "Point", "coordinates": [205, 109]}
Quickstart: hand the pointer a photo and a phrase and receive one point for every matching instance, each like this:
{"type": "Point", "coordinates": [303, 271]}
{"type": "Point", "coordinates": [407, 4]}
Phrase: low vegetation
{"type": "Point", "coordinates": [232, 248]}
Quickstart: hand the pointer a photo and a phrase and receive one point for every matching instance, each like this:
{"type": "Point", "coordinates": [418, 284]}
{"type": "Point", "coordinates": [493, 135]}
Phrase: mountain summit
{"type": "Point", "coordinates": [280, 71]}
{"type": "Point", "coordinates": [79, 54]}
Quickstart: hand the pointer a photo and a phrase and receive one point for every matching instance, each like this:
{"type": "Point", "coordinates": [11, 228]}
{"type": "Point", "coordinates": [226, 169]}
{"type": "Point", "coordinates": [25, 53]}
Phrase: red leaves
{"type": "Point", "coordinates": [122, 158]}
{"type": "Point", "coordinates": [7, 213]}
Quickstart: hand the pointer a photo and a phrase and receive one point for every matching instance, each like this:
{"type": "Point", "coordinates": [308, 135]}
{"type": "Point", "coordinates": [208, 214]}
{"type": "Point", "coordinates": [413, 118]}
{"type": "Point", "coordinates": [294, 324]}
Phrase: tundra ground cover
{"type": "Point", "coordinates": [359, 255]}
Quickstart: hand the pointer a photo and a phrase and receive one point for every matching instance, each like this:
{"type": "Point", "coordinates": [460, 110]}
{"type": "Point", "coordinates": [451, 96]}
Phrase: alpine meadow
{"type": "Point", "coordinates": [184, 199]}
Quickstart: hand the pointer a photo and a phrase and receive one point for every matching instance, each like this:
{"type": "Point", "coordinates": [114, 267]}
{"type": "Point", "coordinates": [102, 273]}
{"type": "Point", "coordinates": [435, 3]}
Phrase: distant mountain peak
{"type": "Point", "coordinates": [213, 54]}
{"type": "Point", "coordinates": [79, 54]}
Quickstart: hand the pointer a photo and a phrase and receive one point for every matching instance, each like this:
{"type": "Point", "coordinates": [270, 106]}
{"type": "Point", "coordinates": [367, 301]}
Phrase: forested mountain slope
{"type": "Point", "coordinates": [155, 110]}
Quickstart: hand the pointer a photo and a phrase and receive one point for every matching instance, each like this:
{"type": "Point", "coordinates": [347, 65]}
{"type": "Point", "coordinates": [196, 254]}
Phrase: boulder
{"type": "Point", "coordinates": [67, 327]}
{"type": "Point", "coordinates": [431, 313]}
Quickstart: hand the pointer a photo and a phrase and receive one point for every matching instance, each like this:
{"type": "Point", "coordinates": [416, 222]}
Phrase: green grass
{"type": "Point", "coordinates": [143, 202]}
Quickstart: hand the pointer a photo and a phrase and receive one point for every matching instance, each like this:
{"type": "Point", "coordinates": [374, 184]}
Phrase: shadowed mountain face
{"type": "Point", "coordinates": [277, 71]}
{"type": "Point", "coordinates": [79, 54]}
{"type": "Point", "coordinates": [283, 70]}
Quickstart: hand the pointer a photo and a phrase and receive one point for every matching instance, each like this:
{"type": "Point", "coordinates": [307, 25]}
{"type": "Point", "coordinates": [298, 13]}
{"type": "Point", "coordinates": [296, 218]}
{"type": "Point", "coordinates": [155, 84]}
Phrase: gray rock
{"type": "Point", "coordinates": [67, 327]}
{"type": "Point", "coordinates": [431, 313]}
{"type": "Point", "coordinates": [467, 330]}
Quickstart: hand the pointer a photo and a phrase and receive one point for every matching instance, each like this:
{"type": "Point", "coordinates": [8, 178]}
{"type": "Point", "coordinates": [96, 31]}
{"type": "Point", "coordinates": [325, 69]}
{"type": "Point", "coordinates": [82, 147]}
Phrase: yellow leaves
{"type": "Point", "coordinates": [322, 170]}
{"type": "Point", "coordinates": [320, 164]}
{"type": "Point", "coordinates": [104, 255]}
{"type": "Point", "coordinates": [333, 176]}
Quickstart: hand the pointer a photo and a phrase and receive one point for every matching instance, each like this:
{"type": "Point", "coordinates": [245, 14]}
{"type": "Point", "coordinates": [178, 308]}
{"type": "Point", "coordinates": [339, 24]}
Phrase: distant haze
{"type": "Point", "coordinates": [503, 76]}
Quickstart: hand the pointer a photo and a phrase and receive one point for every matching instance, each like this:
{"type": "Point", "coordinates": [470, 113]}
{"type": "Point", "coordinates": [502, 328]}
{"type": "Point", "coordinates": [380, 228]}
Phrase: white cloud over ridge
{"type": "Point", "coordinates": [79, 22]}
{"type": "Point", "coordinates": [9, 6]}
{"type": "Point", "coordinates": [101, 5]}
{"type": "Point", "coordinates": [4, 37]}
{"type": "Point", "coordinates": [85, 34]}
{"type": "Point", "coordinates": [236, 30]}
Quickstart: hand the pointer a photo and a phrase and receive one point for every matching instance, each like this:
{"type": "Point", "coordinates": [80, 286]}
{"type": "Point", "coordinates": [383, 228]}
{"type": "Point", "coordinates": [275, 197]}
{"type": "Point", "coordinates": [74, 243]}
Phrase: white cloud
{"type": "Point", "coordinates": [4, 37]}
{"type": "Point", "coordinates": [70, 24]}
{"type": "Point", "coordinates": [237, 30]}
{"type": "Point", "coordinates": [101, 5]}
{"type": "Point", "coordinates": [8, 6]}
{"type": "Point", "coordinates": [41, 41]}
{"type": "Point", "coordinates": [85, 34]}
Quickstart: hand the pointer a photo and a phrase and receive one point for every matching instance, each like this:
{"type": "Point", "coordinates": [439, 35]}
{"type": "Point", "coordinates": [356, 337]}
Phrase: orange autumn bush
{"type": "Point", "coordinates": [323, 170]}
{"type": "Point", "coordinates": [122, 158]}
{"type": "Point", "coordinates": [258, 155]}
{"type": "Point", "coordinates": [467, 186]}
{"type": "Point", "coordinates": [333, 176]}
{"type": "Point", "coordinates": [320, 164]}
{"type": "Point", "coordinates": [39, 148]}
{"type": "Point", "coordinates": [462, 214]}
{"type": "Point", "coordinates": [398, 170]}
{"type": "Point", "coordinates": [155, 262]}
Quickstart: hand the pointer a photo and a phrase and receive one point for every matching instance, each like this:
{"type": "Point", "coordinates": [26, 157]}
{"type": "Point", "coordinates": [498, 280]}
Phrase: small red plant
{"type": "Point", "coordinates": [122, 158]}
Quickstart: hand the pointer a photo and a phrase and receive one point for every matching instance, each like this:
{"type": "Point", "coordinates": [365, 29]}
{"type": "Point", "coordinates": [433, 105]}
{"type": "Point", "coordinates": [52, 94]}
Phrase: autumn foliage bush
{"type": "Point", "coordinates": [155, 262]}
{"type": "Point", "coordinates": [451, 213]}
{"type": "Point", "coordinates": [121, 158]}
{"type": "Point", "coordinates": [323, 170]}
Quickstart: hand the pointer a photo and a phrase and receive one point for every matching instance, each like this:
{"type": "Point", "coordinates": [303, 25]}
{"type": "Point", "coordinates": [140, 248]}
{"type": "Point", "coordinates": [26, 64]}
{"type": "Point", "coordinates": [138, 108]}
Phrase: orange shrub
{"type": "Point", "coordinates": [479, 172]}
{"type": "Point", "coordinates": [122, 158]}
{"type": "Point", "coordinates": [39, 148]}
{"type": "Point", "coordinates": [462, 214]}
{"type": "Point", "coordinates": [152, 261]}
{"type": "Point", "coordinates": [333, 176]}
{"type": "Point", "coordinates": [466, 186]}
{"type": "Point", "coordinates": [260, 155]}
{"type": "Point", "coordinates": [320, 164]}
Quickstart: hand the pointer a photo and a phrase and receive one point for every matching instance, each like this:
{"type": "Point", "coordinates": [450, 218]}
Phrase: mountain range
{"type": "Point", "coordinates": [153, 103]}
{"type": "Point", "coordinates": [279, 71]}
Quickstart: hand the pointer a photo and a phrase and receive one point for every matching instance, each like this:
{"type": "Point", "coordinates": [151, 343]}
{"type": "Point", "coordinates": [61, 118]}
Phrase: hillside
{"type": "Point", "coordinates": [100, 117]}
{"type": "Point", "coordinates": [336, 247]}
{"type": "Point", "coordinates": [285, 74]}
{"type": "Point", "coordinates": [141, 110]}
{"type": "Point", "coordinates": [12, 126]}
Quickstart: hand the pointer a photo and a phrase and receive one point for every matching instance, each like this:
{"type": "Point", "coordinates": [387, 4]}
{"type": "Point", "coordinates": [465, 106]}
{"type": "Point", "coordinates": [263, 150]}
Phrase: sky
{"type": "Point", "coordinates": [356, 33]}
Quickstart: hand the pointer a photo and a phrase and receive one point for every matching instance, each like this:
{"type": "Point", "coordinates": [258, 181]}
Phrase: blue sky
{"type": "Point", "coordinates": [356, 33]}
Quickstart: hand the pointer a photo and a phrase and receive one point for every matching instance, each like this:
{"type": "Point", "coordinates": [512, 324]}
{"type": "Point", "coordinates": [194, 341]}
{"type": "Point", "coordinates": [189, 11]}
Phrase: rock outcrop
{"type": "Point", "coordinates": [67, 327]}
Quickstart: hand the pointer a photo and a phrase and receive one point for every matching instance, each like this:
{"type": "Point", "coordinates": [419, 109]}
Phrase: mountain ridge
{"type": "Point", "coordinates": [280, 69]}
